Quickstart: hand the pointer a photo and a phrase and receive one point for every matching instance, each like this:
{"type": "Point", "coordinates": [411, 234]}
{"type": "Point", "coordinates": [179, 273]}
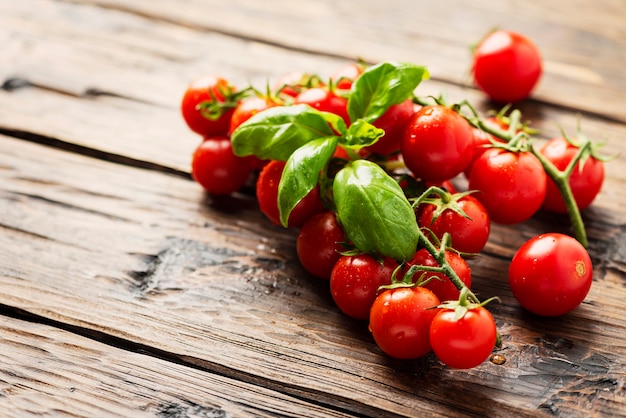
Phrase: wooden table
{"type": "Point", "coordinates": [126, 291]}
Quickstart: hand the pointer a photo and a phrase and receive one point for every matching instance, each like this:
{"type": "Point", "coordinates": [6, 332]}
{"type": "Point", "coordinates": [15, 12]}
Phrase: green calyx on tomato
{"type": "Point", "coordinates": [215, 107]}
{"type": "Point", "coordinates": [463, 305]}
{"type": "Point", "coordinates": [443, 200]}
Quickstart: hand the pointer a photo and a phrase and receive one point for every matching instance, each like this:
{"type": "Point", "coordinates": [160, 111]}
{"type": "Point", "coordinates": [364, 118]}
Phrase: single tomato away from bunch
{"type": "Point", "coordinates": [507, 66]}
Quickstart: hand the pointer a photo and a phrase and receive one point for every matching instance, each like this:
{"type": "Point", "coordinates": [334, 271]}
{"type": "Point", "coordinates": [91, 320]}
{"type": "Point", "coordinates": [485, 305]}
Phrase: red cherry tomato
{"type": "Point", "coordinates": [247, 108]}
{"type": "Point", "coordinates": [507, 66]}
{"type": "Point", "coordinates": [345, 76]}
{"type": "Point", "coordinates": [510, 185]}
{"type": "Point", "coordinates": [441, 285]}
{"type": "Point", "coordinates": [325, 100]}
{"type": "Point", "coordinates": [585, 183]}
{"type": "Point", "coordinates": [267, 196]}
{"type": "Point", "coordinates": [354, 282]}
{"type": "Point", "coordinates": [319, 244]}
{"type": "Point", "coordinates": [437, 143]}
{"type": "Point", "coordinates": [469, 233]}
{"type": "Point", "coordinates": [465, 342]}
{"type": "Point", "coordinates": [482, 140]}
{"type": "Point", "coordinates": [217, 169]}
{"type": "Point", "coordinates": [400, 321]}
{"type": "Point", "coordinates": [291, 84]}
{"type": "Point", "coordinates": [550, 274]}
{"type": "Point", "coordinates": [207, 89]}
{"type": "Point", "coordinates": [393, 122]}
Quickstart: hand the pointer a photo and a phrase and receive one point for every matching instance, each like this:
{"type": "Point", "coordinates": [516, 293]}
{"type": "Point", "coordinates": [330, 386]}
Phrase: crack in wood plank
{"type": "Point", "coordinates": [90, 152]}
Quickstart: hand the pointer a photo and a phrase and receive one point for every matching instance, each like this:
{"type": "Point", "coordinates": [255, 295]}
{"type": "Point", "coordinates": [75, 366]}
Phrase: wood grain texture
{"type": "Point", "coordinates": [139, 258]}
{"type": "Point", "coordinates": [578, 74]}
{"type": "Point", "coordinates": [145, 261]}
{"type": "Point", "coordinates": [47, 371]}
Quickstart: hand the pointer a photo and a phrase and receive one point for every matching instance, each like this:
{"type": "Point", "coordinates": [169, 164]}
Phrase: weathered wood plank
{"type": "Point", "coordinates": [113, 81]}
{"type": "Point", "coordinates": [46, 371]}
{"type": "Point", "coordinates": [143, 65]}
{"type": "Point", "coordinates": [144, 258]}
{"type": "Point", "coordinates": [146, 261]}
{"type": "Point", "coordinates": [582, 44]}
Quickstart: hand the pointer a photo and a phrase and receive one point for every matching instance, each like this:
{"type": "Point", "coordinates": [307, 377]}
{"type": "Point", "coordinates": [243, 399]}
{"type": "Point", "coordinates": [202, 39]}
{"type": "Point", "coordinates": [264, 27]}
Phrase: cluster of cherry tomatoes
{"type": "Point", "coordinates": [363, 168]}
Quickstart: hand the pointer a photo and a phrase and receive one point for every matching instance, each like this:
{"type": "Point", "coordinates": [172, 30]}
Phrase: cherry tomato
{"type": "Point", "coordinates": [550, 274]}
{"type": "Point", "coordinates": [465, 342]}
{"type": "Point", "coordinates": [437, 143]}
{"type": "Point", "coordinates": [207, 89]}
{"type": "Point", "coordinates": [267, 196]}
{"type": "Point", "coordinates": [510, 185]}
{"type": "Point", "coordinates": [393, 122]}
{"type": "Point", "coordinates": [217, 169]}
{"type": "Point", "coordinates": [319, 244]}
{"type": "Point", "coordinates": [482, 140]}
{"type": "Point", "coordinates": [345, 76]}
{"type": "Point", "coordinates": [441, 285]}
{"type": "Point", "coordinates": [507, 66]}
{"type": "Point", "coordinates": [325, 100]}
{"type": "Point", "coordinates": [248, 107]}
{"type": "Point", "coordinates": [291, 84]}
{"type": "Point", "coordinates": [400, 321]}
{"type": "Point", "coordinates": [585, 183]}
{"type": "Point", "coordinates": [354, 282]}
{"type": "Point", "coordinates": [469, 233]}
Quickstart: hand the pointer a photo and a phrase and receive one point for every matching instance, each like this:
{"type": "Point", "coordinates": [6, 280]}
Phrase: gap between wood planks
{"type": "Point", "coordinates": [90, 152]}
{"type": "Point", "coordinates": [314, 51]}
{"type": "Point", "coordinates": [134, 347]}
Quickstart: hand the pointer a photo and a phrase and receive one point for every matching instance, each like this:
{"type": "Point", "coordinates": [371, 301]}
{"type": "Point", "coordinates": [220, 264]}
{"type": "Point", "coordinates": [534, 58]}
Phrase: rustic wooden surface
{"type": "Point", "coordinates": [126, 291]}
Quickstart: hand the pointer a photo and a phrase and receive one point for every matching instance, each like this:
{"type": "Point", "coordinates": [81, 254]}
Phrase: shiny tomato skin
{"type": "Point", "coordinates": [319, 244]}
{"type": "Point", "coordinates": [393, 122]}
{"type": "Point", "coordinates": [507, 66]}
{"type": "Point", "coordinates": [267, 196]}
{"type": "Point", "coordinates": [482, 140]}
{"type": "Point", "coordinates": [201, 90]}
{"type": "Point", "coordinates": [550, 274]}
{"type": "Point", "coordinates": [510, 185]}
{"type": "Point", "coordinates": [217, 169]}
{"type": "Point", "coordinates": [585, 184]}
{"type": "Point", "coordinates": [437, 143]}
{"type": "Point", "coordinates": [325, 100]}
{"type": "Point", "coordinates": [469, 234]}
{"type": "Point", "coordinates": [466, 342]}
{"type": "Point", "coordinates": [400, 321]}
{"type": "Point", "coordinates": [354, 282]}
{"type": "Point", "coordinates": [441, 286]}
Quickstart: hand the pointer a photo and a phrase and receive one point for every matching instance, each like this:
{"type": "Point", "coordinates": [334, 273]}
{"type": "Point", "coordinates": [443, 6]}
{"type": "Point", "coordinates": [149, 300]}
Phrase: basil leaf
{"type": "Point", "coordinates": [381, 86]}
{"type": "Point", "coordinates": [276, 132]}
{"type": "Point", "coordinates": [361, 134]}
{"type": "Point", "coordinates": [374, 212]}
{"type": "Point", "coordinates": [301, 173]}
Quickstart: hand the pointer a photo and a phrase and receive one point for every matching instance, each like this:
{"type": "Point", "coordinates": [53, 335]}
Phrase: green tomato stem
{"type": "Point", "coordinates": [561, 180]}
{"type": "Point", "coordinates": [440, 255]}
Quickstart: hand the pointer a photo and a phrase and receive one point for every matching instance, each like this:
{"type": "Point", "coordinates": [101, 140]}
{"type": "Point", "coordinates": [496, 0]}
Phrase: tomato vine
{"type": "Point", "coordinates": [382, 207]}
